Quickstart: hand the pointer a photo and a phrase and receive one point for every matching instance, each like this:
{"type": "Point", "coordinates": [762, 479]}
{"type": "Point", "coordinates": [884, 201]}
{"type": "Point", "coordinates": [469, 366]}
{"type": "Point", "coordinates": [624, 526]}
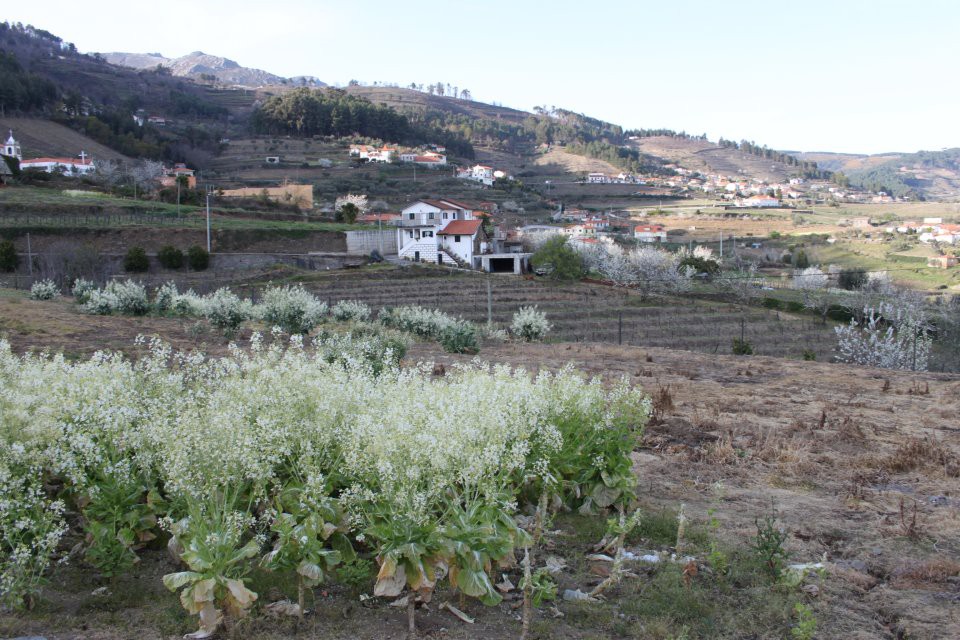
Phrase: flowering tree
{"type": "Point", "coordinates": [647, 269]}
{"type": "Point", "coordinates": [890, 336]}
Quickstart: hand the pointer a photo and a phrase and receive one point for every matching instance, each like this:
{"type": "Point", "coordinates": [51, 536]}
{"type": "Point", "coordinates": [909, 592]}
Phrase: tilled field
{"type": "Point", "coordinates": [587, 312]}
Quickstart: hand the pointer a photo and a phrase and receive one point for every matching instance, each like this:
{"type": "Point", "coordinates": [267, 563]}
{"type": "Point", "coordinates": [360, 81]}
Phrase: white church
{"type": "Point", "coordinates": [79, 166]}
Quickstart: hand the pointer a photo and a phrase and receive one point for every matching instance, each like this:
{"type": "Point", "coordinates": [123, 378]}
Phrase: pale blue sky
{"type": "Point", "coordinates": [861, 76]}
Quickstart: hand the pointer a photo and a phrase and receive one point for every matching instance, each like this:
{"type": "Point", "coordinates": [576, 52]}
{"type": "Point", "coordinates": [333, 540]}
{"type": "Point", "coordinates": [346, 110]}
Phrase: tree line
{"type": "Point", "coordinates": [334, 112]}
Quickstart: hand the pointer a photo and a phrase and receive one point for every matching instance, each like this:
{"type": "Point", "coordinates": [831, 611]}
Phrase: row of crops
{"type": "Point", "coordinates": [594, 313]}
{"type": "Point", "coordinates": [295, 458]}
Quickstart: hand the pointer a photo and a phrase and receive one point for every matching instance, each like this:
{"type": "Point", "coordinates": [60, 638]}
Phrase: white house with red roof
{"type": "Point", "coordinates": [443, 231]}
{"type": "Point", "coordinates": [68, 166]}
{"type": "Point", "coordinates": [478, 173]}
{"type": "Point", "coordinates": [650, 233]}
{"type": "Point", "coordinates": [373, 154]}
{"type": "Point", "coordinates": [427, 158]}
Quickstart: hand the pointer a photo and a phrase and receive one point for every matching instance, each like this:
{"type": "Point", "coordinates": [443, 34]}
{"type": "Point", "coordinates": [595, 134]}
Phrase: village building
{"type": "Point", "coordinates": [300, 195]}
{"type": "Point", "coordinates": [650, 233]}
{"type": "Point", "coordinates": [596, 178]}
{"type": "Point", "coordinates": [759, 201]}
{"type": "Point", "coordinates": [373, 154]}
{"type": "Point", "coordinates": [422, 236]}
{"type": "Point", "coordinates": [179, 170]}
{"type": "Point", "coordinates": [11, 148]}
{"type": "Point", "coordinates": [378, 218]}
{"type": "Point", "coordinates": [427, 158]}
{"type": "Point", "coordinates": [67, 166]}
{"type": "Point", "coordinates": [478, 173]}
{"type": "Point", "coordinates": [942, 262]}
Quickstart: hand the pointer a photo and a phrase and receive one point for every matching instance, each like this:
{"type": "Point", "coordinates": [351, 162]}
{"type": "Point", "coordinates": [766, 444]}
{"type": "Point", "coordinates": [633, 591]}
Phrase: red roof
{"type": "Point", "coordinates": [375, 217]}
{"type": "Point", "coordinates": [426, 159]}
{"type": "Point", "coordinates": [653, 229]}
{"type": "Point", "coordinates": [461, 228]}
{"type": "Point", "coordinates": [85, 161]}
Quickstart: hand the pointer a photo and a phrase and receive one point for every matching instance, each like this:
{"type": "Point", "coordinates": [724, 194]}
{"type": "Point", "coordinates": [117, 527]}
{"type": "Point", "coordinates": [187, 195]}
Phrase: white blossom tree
{"type": "Point", "coordinates": [891, 336]}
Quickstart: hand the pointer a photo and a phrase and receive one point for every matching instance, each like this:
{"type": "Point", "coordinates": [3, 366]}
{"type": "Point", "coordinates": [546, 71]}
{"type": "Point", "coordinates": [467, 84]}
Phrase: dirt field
{"type": "Point", "coordinates": [861, 465]}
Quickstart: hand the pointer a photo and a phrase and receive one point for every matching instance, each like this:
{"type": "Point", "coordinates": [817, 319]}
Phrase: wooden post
{"type": "Point", "coordinates": [620, 328]}
{"type": "Point", "coordinates": [489, 303]}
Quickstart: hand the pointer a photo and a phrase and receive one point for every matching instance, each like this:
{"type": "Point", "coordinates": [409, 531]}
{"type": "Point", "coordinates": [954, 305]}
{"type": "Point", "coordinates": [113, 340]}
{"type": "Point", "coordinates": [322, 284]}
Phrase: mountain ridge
{"type": "Point", "coordinates": [201, 66]}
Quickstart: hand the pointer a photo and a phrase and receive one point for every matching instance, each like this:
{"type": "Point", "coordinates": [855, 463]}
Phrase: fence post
{"type": "Point", "coordinates": [620, 328]}
{"type": "Point", "coordinates": [489, 302]}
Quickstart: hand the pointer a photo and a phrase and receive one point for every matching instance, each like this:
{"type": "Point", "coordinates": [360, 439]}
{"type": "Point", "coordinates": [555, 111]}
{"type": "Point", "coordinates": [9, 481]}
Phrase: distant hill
{"type": "Point", "coordinates": [205, 67]}
{"type": "Point", "coordinates": [926, 174]}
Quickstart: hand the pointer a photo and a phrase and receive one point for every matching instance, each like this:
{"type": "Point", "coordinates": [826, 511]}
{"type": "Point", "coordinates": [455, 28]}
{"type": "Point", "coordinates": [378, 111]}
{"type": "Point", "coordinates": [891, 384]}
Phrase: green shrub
{"type": "Point", "coordinates": [558, 260]}
{"type": "Point", "coordinates": [460, 337]}
{"type": "Point", "coordinates": [198, 258]}
{"type": "Point", "coordinates": [8, 257]}
{"type": "Point", "coordinates": [774, 235]}
{"type": "Point", "coordinates": [801, 261]}
{"type": "Point", "coordinates": [851, 280]}
{"type": "Point", "coordinates": [809, 355]}
{"type": "Point", "coordinates": [742, 347]}
{"type": "Point", "coordinates": [136, 260]}
{"type": "Point", "coordinates": [771, 303]}
{"type": "Point", "coordinates": [170, 257]}
{"type": "Point", "coordinates": [794, 306]}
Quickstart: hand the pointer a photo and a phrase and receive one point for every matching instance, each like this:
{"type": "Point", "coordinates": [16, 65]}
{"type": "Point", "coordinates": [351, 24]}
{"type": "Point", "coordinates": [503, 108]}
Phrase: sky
{"type": "Point", "coordinates": [852, 76]}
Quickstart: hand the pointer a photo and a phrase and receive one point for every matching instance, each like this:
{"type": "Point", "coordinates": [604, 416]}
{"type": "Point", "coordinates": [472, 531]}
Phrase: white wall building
{"type": "Point", "coordinates": [442, 231]}
{"type": "Point", "coordinates": [11, 148]}
{"type": "Point", "coordinates": [68, 166]}
{"type": "Point", "coordinates": [479, 173]}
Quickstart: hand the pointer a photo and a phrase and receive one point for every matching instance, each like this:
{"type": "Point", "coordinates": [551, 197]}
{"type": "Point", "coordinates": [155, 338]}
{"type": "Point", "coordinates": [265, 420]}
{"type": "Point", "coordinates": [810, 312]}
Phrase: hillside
{"type": "Point", "coordinates": [710, 158]}
{"type": "Point", "coordinates": [205, 67]}
{"type": "Point", "coordinates": [40, 137]}
{"type": "Point", "coordinates": [930, 174]}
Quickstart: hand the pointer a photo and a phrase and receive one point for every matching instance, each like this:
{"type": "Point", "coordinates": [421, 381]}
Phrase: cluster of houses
{"type": "Point", "coordinates": [430, 156]}
{"type": "Point", "coordinates": [929, 230]}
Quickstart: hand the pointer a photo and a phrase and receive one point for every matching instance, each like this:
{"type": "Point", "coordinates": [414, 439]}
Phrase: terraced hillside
{"type": "Point", "coordinates": [586, 312]}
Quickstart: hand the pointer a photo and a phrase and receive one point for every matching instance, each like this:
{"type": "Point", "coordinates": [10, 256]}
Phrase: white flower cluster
{"type": "Point", "coordinates": [530, 324]}
{"type": "Point", "coordinates": [811, 278]}
{"type": "Point", "coordinates": [292, 308]}
{"type": "Point", "coordinates": [81, 289]}
{"type": "Point", "coordinates": [44, 290]}
{"type": "Point", "coordinates": [645, 268]}
{"type": "Point", "coordinates": [350, 310]}
{"type": "Point", "coordinates": [889, 337]}
{"type": "Point", "coordinates": [127, 298]}
{"type": "Point", "coordinates": [393, 444]}
{"type": "Point", "coordinates": [429, 323]}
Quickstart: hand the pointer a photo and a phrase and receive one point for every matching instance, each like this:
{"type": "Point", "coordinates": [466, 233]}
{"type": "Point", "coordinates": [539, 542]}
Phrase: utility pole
{"type": "Point", "coordinates": [29, 256]}
{"type": "Point", "coordinates": [177, 178]}
{"type": "Point", "coordinates": [209, 192]}
{"type": "Point", "coordinates": [721, 245]}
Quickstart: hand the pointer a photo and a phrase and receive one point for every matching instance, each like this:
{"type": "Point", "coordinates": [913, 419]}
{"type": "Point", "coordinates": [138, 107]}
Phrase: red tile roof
{"type": "Point", "coordinates": [57, 160]}
{"type": "Point", "coordinates": [461, 228]}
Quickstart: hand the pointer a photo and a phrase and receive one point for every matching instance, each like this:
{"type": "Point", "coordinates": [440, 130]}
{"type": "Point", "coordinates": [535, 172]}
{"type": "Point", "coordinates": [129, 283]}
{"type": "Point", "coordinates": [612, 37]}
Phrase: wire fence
{"type": "Point", "coordinates": [98, 220]}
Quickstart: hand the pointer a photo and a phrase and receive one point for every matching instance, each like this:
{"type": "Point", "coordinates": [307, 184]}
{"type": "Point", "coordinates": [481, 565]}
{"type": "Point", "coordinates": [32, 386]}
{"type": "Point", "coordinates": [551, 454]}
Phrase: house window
{"type": "Point", "coordinates": [444, 213]}
{"type": "Point", "coordinates": [456, 238]}
{"type": "Point", "coordinates": [409, 234]}
{"type": "Point", "coordinates": [411, 216]}
{"type": "Point", "coordinates": [431, 215]}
